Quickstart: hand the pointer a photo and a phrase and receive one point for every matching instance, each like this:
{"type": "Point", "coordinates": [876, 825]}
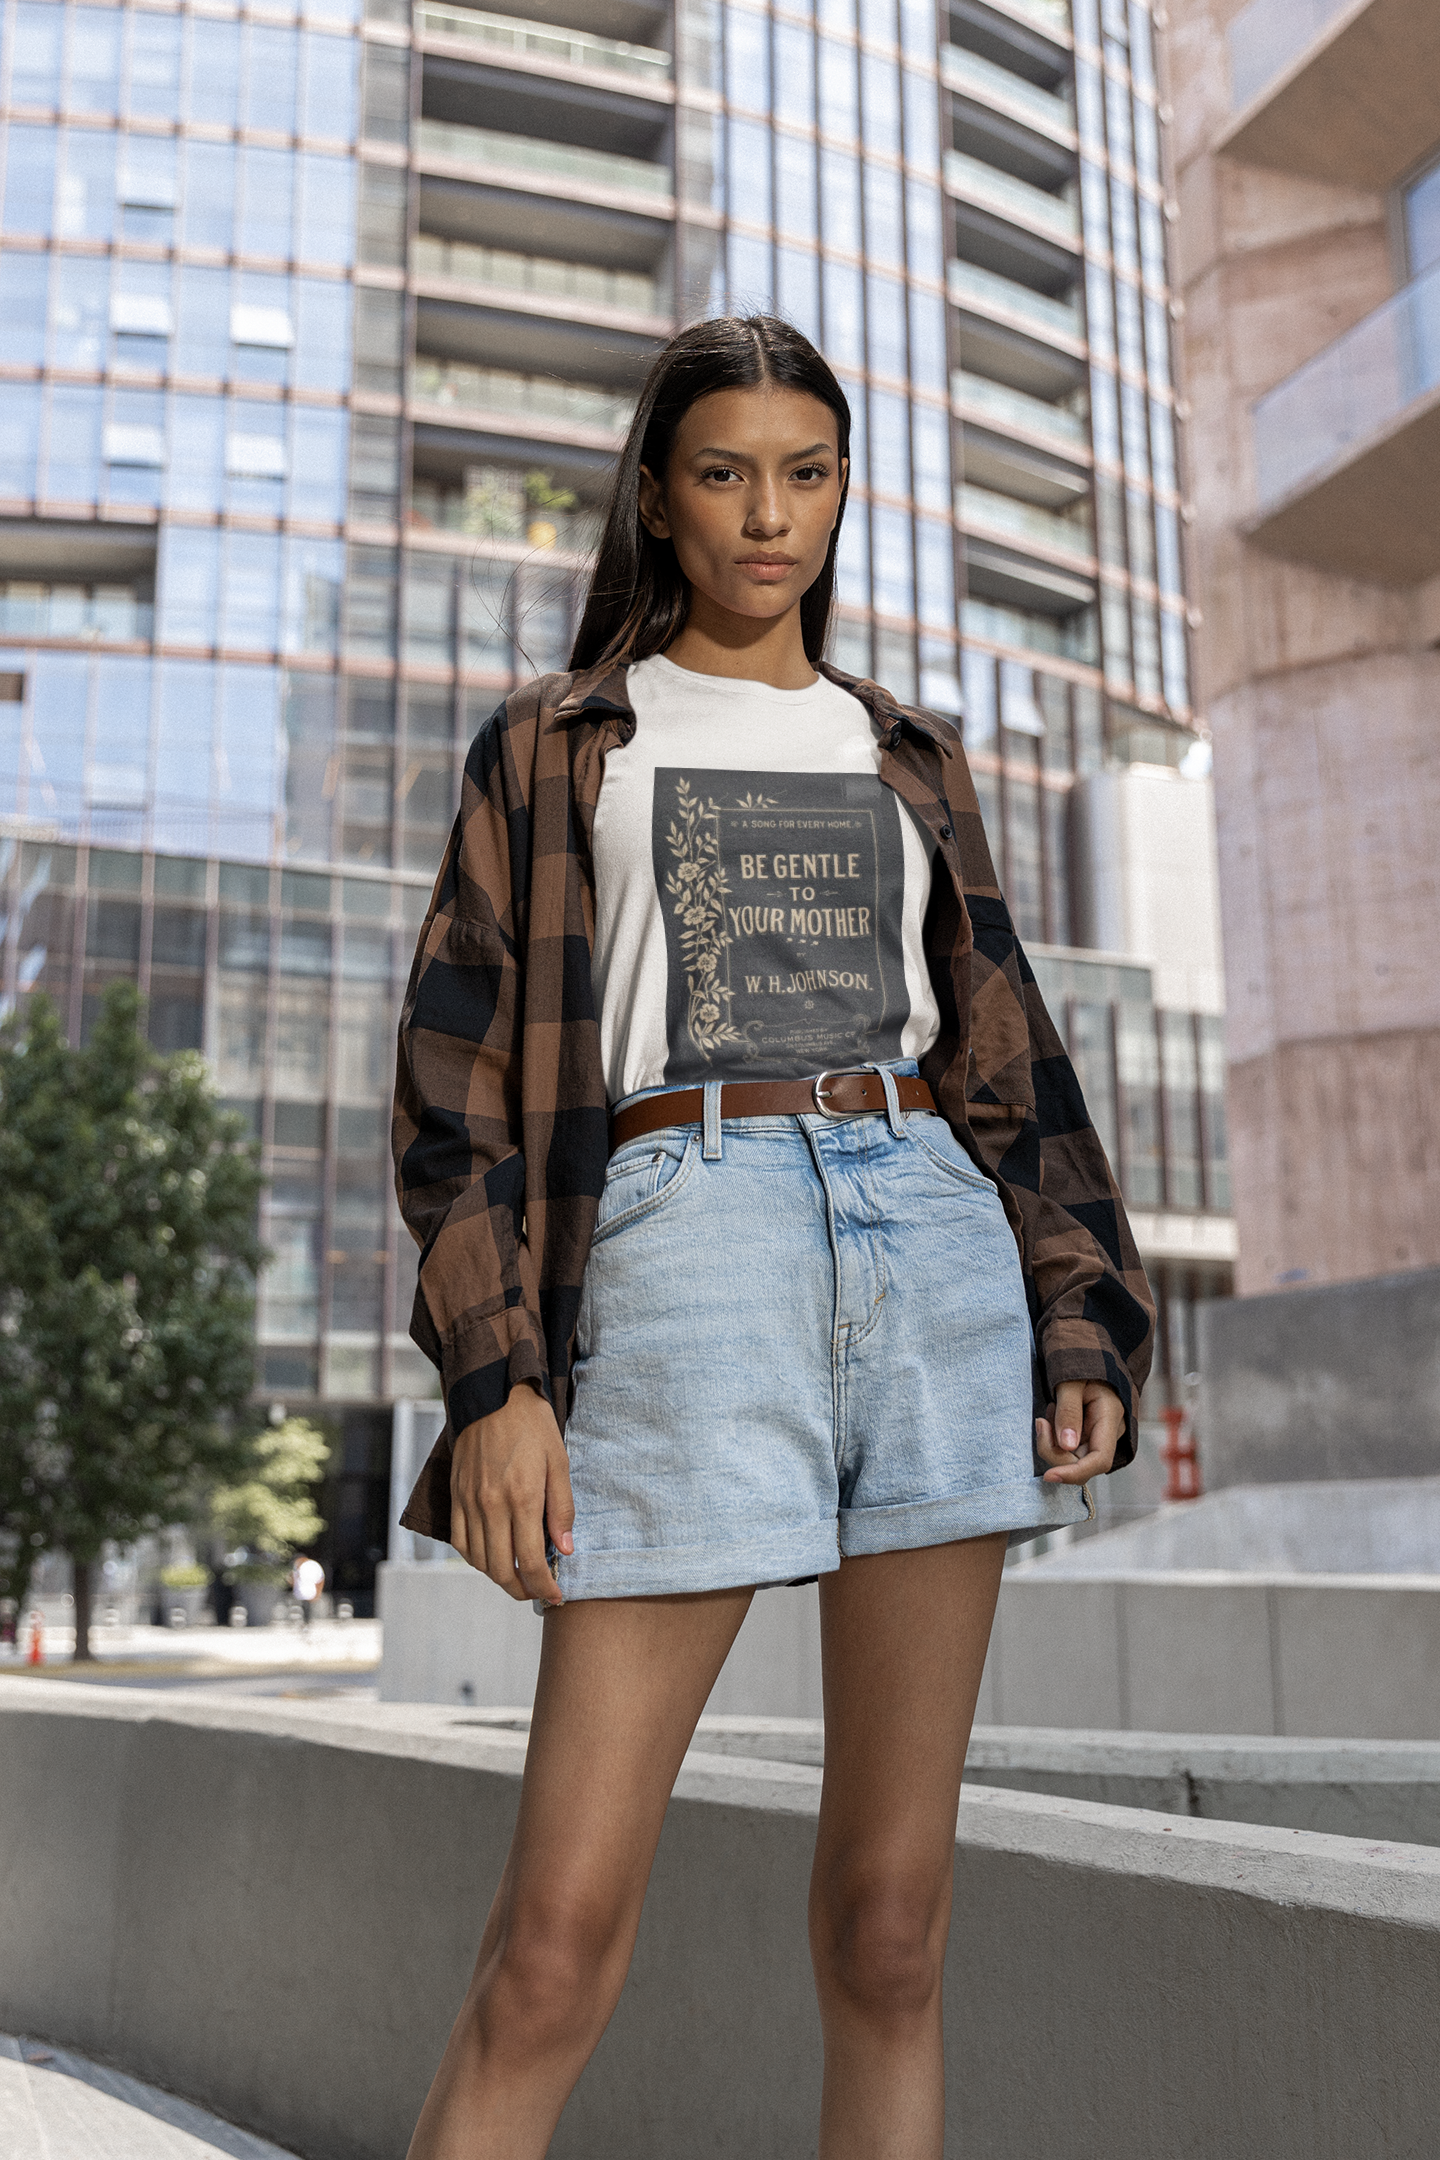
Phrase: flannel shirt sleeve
{"type": "Point", "coordinates": [459, 1165]}
{"type": "Point", "coordinates": [1090, 1302]}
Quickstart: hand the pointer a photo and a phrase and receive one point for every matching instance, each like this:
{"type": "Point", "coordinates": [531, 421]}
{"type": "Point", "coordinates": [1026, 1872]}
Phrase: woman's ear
{"type": "Point", "coordinates": [652, 506]}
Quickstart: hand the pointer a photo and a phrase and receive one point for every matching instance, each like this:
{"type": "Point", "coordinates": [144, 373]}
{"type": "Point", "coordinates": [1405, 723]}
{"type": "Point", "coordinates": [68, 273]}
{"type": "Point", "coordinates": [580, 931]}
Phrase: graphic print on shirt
{"type": "Point", "coordinates": [781, 895]}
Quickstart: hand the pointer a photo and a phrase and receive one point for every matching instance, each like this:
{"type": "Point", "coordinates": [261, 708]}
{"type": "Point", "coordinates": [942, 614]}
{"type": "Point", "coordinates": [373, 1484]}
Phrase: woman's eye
{"type": "Point", "coordinates": [813, 472]}
{"type": "Point", "coordinates": [719, 472]}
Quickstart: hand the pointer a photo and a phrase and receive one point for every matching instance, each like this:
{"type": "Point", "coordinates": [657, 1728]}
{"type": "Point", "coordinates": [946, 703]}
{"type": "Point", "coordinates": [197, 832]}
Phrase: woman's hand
{"type": "Point", "coordinates": [509, 1478]}
{"type": "Point", "coordinates": [1082, 1432]}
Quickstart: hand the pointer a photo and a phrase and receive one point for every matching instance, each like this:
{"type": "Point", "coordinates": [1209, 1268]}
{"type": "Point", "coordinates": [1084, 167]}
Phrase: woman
{"type": "Point", "coordinates": [724, 1099]}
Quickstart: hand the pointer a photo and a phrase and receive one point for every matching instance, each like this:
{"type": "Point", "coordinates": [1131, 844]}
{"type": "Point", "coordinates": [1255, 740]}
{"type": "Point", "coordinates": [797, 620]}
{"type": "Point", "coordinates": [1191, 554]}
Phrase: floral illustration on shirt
{"type": "Point", "coordinates": [698, 887]}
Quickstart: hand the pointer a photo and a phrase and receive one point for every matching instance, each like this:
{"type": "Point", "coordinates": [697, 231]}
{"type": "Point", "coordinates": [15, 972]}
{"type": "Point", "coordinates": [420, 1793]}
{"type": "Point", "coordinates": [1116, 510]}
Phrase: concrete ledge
{"type": "Point", "coordinates": [1221, 1988]}
{"type": "Point", "coordinates": [1186, 1651]}
{"type": "Point", "coordinates": [1373, 1789]}
{"type": "Point", "coordinates": [1346, 1657]}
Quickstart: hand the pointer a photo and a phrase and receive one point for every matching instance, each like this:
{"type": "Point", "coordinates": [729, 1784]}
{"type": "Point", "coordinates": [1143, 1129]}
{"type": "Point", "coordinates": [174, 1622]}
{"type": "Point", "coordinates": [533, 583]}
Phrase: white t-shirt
{"type": "Point", "coordinates": [760, 893]}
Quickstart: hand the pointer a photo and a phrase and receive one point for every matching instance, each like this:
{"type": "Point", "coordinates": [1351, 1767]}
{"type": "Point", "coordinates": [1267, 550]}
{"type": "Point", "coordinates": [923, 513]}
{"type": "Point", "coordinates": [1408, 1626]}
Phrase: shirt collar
{"type": "Point", "coordinates": [604, 689]}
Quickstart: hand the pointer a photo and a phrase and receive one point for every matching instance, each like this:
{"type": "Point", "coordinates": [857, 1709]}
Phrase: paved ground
{"type": "Point", "coordinates": [57, 2106]}
{"type": "Point", "coordinates": [334, 1657]}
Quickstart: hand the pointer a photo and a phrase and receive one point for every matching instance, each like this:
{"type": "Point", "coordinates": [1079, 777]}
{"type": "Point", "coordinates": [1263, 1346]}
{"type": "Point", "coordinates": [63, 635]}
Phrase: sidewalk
{"type": "Point", "coordinates": [330, 1656]}
{"type": "Point", "coordinates": [57, 2106]}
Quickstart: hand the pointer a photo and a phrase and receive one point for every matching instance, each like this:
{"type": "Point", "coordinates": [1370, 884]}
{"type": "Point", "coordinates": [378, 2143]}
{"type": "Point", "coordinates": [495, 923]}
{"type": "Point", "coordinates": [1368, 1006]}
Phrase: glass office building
{"type": "Point", "coordinates": [317, 337]}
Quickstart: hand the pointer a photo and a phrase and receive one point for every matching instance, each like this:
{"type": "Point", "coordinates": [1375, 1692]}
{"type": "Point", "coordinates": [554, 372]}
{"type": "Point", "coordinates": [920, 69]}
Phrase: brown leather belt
{"type": "Point", "coordinates": [834, 1095]}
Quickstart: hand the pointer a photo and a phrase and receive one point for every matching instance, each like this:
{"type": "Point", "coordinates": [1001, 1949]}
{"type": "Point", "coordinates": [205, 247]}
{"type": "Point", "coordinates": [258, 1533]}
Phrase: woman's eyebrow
{"type": "Point", "coordinates": [741, 457]}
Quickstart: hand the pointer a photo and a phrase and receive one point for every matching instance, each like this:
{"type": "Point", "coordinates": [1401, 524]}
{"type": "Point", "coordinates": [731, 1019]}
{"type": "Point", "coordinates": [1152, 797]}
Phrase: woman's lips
{"type": "Point", "coordinates": [766, 569]}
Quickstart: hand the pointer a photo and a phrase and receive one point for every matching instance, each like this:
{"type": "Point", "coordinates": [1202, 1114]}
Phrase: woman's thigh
{"type": "Point", "coordinates": [622, 1683]}
{"type": "Point", "coordinates": [903, 1638]}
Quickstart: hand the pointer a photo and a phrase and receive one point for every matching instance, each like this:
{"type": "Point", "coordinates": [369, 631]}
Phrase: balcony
{"type": "Point", "coordinates": [997, 405]}
{"type": "Point", "coordinates": [544, 42]}
{"type": "Point", "coordinates": [972, 76]}
{"type": "Point", "coordinates": [1338, 90]}
{"type": "Point", "coordinates": [78, 614]}
{"type": "Point", "coordinates": [1030, 37]}
{"type": "Point", "coordinates": [450, 142]}
{"type": "Point", "coordinates": [985, 511]}
{"type": "Point", "coordinates": [1014, 334]}
{"type": "Point", "coordinates": [435, 259]}
{"type": "Point", "coordinates": [1054, 217]}
{"type": "Point", "coordinates": [561, 411]}
{"type": "Point", "coordinates": [1347, 450]}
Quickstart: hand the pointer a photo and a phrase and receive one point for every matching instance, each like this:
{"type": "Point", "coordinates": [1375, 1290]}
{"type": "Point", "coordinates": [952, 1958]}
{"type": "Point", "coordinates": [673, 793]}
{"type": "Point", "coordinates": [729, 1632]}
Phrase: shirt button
{"type": "Point", "coordinates": [946, 832]}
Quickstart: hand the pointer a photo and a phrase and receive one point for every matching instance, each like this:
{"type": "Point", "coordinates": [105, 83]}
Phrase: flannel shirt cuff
{"type": "Point", "coordinates": [484, 1360]}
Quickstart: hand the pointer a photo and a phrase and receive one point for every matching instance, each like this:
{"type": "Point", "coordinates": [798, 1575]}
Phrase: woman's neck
{"type": "Point", "coordinates": [717, 642]}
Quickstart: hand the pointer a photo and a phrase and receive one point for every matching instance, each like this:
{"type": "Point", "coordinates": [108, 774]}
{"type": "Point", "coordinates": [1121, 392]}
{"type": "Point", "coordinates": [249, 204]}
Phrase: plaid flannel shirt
{"type": "Point", "coordinates": [500, 1127]}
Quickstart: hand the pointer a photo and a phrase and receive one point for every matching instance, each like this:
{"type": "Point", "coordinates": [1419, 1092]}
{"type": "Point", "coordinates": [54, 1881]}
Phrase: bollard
{"type": "Point", "coordinates": [36, 1653]}
{"type": "Point", "coordinates": [1179, 1456]}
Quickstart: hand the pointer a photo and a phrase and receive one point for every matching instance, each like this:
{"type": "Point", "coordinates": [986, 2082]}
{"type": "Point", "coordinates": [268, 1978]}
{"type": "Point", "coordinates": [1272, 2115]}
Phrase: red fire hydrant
{"type": "Point", "coordinates": [35, 1655]}
{"type": "Point", "coordinates": [1178, 1454]}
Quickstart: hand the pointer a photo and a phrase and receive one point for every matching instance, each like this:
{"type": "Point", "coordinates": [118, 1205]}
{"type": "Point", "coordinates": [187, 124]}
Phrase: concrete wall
{"type": "Point", "coordinates": [1329, 1656]}
{"type": "Point", "coordinates": [450, 1636]}
{"type": "Point", "coordinates": [1334, 1381]}
{"type": "Point", "coordinates": [273, 1910]}
{"type": "Point", "coordinates": [1320, 691]}
{"type": "Point", "coordinates": [1336, 1526]}
{"type": "Point", "coordinates": [1345, 1657]}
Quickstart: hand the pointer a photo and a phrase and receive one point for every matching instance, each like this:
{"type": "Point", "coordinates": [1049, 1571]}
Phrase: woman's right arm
{"type": "Point", "coordinates": [459, 1167]}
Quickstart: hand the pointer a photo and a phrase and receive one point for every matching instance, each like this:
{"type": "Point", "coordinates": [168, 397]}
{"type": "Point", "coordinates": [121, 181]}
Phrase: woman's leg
{"type": "Point", "coordinates": [903, 1637]}
{"type": "Point", "coordinates": [622, 1682]}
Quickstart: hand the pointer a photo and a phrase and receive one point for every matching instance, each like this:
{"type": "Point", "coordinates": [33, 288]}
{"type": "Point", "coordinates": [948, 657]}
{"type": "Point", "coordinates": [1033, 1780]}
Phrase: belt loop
{"type": "Point", "coordinates": [892, 1099]}
{"type": "Point", "coordinates": [712, 1151]}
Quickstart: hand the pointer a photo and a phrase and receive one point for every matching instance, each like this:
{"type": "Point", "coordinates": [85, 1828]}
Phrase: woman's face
{"type": "Point", "coordinates": [750, 497]}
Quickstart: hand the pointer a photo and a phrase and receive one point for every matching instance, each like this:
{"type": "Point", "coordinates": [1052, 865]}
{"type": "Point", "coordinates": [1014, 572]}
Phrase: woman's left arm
{"type": "Point", "coordinates": [1092, 1308]}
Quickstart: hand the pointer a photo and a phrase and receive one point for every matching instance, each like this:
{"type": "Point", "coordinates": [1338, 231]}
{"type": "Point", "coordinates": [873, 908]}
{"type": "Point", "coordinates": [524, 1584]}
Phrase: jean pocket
{"type": "Point", "coordinates": [641, 1178]}
{"type": "Point", "coordinates": [945, 1151]}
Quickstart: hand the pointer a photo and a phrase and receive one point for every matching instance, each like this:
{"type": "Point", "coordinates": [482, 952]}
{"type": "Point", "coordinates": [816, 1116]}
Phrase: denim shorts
{"type": "Point", "coordinates": [799, 1338]}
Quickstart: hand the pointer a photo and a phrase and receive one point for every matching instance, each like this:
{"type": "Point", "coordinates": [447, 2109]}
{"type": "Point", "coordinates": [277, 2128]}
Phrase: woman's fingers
{"type": "Point", "coordinates": [1079, 1438]}
{"type": "Point", "coordinates": [532, 1577]}
{"type": "Point", "coordinates": [559, 1501]}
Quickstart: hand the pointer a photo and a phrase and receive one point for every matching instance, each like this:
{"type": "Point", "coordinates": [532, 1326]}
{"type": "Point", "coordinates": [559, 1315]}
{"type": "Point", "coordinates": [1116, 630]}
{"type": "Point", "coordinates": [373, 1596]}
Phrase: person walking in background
{"type": "Point", "coordinates": [307, 1580]}
{"type": "Point", "coordinates": [765, 1237]}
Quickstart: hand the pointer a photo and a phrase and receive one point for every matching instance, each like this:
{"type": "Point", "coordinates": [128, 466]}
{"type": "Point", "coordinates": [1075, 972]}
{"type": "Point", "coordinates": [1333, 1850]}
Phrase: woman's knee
{"type": "Point", "coordinates": [878, 1943]}
{"type": "Point", "coordinates": [556, 1971]}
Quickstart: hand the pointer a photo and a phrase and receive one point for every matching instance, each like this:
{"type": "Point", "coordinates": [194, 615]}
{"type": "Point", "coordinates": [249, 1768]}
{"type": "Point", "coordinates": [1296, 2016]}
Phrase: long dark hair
{"type": "Point", "coordinates": [639, 597]}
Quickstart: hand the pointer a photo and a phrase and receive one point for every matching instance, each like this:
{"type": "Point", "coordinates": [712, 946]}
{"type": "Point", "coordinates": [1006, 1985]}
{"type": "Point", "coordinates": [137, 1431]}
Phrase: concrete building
{"type": "Point", "coordinates": [1307, 146]}
{"type": "Point", "coordinates": [317, 336]}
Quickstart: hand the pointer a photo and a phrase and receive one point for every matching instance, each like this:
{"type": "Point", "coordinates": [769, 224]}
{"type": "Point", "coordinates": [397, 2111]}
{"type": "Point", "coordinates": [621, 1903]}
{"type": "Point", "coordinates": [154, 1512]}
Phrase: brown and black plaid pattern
{"type": "Point", "coordinates": [500, 1126]}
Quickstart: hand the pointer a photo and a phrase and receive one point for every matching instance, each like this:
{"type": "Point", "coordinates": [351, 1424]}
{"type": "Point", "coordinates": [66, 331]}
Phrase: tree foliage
{"type": "Point", "coordinates": [272, 1511]}
{"type": "Point", "coordinates": [128, 1256]}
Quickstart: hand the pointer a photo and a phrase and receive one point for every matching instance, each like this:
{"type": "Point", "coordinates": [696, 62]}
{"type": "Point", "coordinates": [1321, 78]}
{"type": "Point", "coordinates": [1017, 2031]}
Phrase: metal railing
{"type": "Point", "coordinates": [466, 263]}
{"type": "Point", "coordinates": [989, 189]}
{"type": "Point", "coordinates": [1050, 16]}
{"type": "Point", "coordinates": [544, 41]}
{"type": "Point", "coordinates": [102, 613]}
{"type": "Point", "coordinates": [543, 397]}
{"type": "Point", "coordinates": [1266, 36]}
{"type": "Point", "coordinates": [1022, 521]}
{"type": "Point", "coordinates": [997, 401]}
{"type": "Point", "coordinates": [1366, 378]}
{"type": "Point", "coordinates": [529, 153]}
{"type": "Point", "coordinates": [971, 76]}
{"type": "Point", "coordinates": [970, 285]}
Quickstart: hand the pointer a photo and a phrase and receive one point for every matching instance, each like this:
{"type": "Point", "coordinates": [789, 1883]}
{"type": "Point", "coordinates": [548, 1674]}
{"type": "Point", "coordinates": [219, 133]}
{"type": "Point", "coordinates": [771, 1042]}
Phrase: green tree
{"type": "Point", "coordinates": [128, 1257]}
{"type": "Point", "coordinates": [271, 1510]}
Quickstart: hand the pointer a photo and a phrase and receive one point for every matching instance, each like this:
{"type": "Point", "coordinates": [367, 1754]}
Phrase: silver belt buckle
{"type": "Point", "coordinates": [818, 1093]}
